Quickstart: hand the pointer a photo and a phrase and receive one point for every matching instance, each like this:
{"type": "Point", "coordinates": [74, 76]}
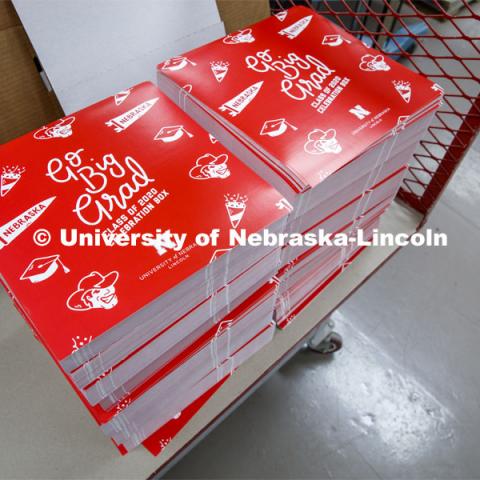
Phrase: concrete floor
{"type": "Point", "coordinates": [402, 399]}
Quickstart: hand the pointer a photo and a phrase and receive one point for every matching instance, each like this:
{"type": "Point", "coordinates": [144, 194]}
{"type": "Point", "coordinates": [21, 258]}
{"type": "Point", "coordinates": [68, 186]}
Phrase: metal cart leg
{"type": "Point", "coordinates": [325, 341]}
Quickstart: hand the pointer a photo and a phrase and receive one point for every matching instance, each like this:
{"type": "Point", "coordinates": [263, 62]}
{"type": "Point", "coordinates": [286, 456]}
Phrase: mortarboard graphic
{"type": "Point", "coordinates": [171, 133]}
{"type": "Point", "coordinates": [60, 129]}
{"type": "Point", "coordinates": [275, 128]}
{"type": "Point", "coordinates": [334, 40]}
{"type": "Point", "coordinates": [236, 206]}
{"type": "Point", "coordinates": [9, 178]}
{"type": "Point", "coordinates": [210, 166]}
{"type": "Point", "coordinates": [42, 268]}
{"type": "Point", "coordinates": [177, 63]}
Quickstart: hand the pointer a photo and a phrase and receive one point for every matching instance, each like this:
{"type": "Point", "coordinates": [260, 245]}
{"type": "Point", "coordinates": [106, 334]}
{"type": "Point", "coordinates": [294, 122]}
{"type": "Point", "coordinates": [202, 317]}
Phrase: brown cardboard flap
{"type": "Point", "coordinates": [26, 103]}
{"type": "Point", "coordinates": [238, 14]}
{"type": "Point", "coordinates": [8, 15]}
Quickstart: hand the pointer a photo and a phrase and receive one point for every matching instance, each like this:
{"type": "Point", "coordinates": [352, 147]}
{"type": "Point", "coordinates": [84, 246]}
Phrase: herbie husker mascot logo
{"type": "Point", "coordinates": [94, 291]}
{"type": "Point", "coordinates": [60, 129]}
{"type": "Point", "coordinates": [322, 141]}
{"type": "Point", "coordinates": [208, 166]}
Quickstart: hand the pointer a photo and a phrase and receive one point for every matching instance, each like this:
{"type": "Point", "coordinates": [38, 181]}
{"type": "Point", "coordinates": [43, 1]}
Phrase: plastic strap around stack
{"type": "Point", "coordinates": [224, 328]}
{"type": "Point", "coordinates": [183, 94]}
{"type": "Point", "coordinates": [292, 221]}
{"type": "Point", "coordinates": [364, 201]}
{"type": "Point", "coordinates": [226, 283]}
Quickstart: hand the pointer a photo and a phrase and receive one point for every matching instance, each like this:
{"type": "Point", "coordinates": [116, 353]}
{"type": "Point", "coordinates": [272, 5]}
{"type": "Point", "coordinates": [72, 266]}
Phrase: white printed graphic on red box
{"type": "Point", "coordinates": [296, 28]}
{"type": "Point", "coordinates": [437, 88]}
{"type": "Point", "coordinates": [177, 63]}
{"type": "Point", "coordinates": [236, 206]}
{"type": "Point", "coordinates": [334, 40]}
{"type": "Point", "coordinates": [122, 405]}
{"type": "Point", "coordinates": [281, 15]}
{"type": "Point", "coordinates": [78, 342]}
{"type": "Point", "coordinates": [242, 36]}
{"type": "Point", "coordinates": [94, 291]}
{"type": "Point", "coordinates": [11, 230]}
{"type": "Point", "coordinates": [164, 442]}
{"type": "Point", "coordinates": [120, 97]}
{"type": "Point", "coordinates": [223, 326]}
{"type": "Point", "coordinates": [217, 253]}
{"type": "Point", "coordinates": [9, 178]}
{"type": "Point", "coordinates": [284, 204]}
{"type": "Point", "coordinates": [210, 166]}
{"type": "Point", "coordinates": [324, 173]}
{"type": "Point", "coordinates": [172, 133]}
{"type": "Point", "coordinates": [188, 88]}
{"type": "Point", "coordinates": [167, 241]}
{"type": "Point", "coordinates": [301, 71]}
{"type": "Point", "coordinates": [238, 103]}
{"type": "Point", "coordinates": [275, 280]}
{"type": "Point", "coordinates": [219, 70]}
{"type": "Point", "coordinates": [373, 63]}
{"type": "Point", "coordinates": [404, 89]}
{"type": "Point", "coordinates": [60, 129]}
{"type": "Point", "coordinates": [359, 112]}
{"type": "Point", "coordinates": [322, 141]}
{"type": "Point", "coordinates": [401, 123]}
{"type": "Point", "coordinates": [123, 121]}
{"type": "Point", "coordinates": [212, 138]}
{"type": "Point", "coordinates": [275, 128]}
{"type": "Point", "coordinates": [42, 268]}
{"type": "Point", "coordinates": [105, 374]}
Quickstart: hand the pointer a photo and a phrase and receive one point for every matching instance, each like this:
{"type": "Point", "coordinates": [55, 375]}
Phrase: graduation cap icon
{"type": "Point", "coordinates": [274, 128]}
{"type": "Point", "coordinates": [171, 133]}
{"type": "Point", "coordinates": [43, 268]}
{"type": "Point", "coordinates": [334, 40]}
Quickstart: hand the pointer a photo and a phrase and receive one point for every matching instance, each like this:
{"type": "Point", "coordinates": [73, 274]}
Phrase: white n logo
{"type": "Point", "coordinates": [359, 112]}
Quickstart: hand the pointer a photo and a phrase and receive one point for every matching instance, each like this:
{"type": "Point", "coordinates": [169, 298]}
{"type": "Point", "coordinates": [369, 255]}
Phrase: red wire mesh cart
{"type": "Point", "coordinates": [439, 39]}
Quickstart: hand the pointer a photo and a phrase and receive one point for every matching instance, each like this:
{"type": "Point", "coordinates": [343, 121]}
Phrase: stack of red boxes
{"type": "Point", "coordinates": [328, 121]}
{"type": "Point", "coordinates": [163, 319]}
{"type": "Point", "coordinates": [131, 281]}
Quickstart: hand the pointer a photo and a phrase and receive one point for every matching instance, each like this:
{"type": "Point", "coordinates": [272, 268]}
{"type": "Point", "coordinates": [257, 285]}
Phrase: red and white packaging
{"type": "Point", "coordinates": [137, 167]}
{"type": "Point", "coordinates": [306, 105]}
{"type": "Point", "coordinates": [108, 169]}
{"type": "Point", "coordinates": [319, 115]}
